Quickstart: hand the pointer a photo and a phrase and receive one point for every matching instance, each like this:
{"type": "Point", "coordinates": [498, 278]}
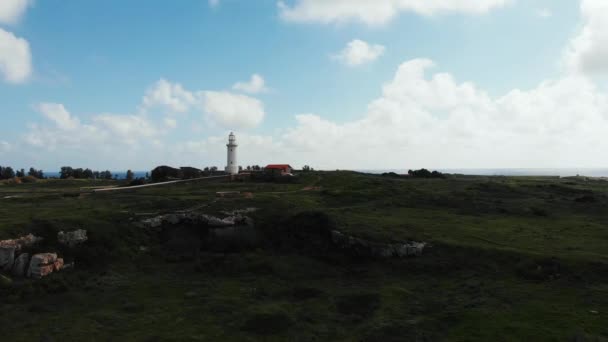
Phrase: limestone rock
{"type": "Point", "coordinates": [366, 248]}
{"type": "Point", "coordinates": [213, 221]}
{"type": "Point", "coordinates": [42, 264]}
{"type": "Point", "coordinates": [58, 264]}
{"type": "Point", "coordinates": [72, 238]}
{"type": "Point", "coordinates": [20, 266]}
{"type": "Point", "coordinates": [24, 241]}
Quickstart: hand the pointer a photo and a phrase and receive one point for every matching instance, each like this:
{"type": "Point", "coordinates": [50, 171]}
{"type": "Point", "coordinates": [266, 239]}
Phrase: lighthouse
{"type": "Point", "coordinates": [231, 166]}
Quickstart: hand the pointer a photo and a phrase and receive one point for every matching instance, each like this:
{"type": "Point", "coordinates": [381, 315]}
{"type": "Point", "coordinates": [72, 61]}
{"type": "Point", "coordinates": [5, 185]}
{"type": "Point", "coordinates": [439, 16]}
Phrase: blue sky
{"type": "Point", "coordinates": [132, 84]}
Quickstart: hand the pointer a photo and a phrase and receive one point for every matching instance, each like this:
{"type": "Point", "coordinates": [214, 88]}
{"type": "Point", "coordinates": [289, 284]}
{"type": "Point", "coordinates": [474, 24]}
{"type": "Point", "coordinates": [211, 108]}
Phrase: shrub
{"type": "Point", "coordinates": [29, 179]}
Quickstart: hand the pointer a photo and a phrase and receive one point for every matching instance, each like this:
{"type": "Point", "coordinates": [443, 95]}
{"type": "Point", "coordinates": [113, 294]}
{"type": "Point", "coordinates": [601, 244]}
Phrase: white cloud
{"type": "Point", "coordinates": [588, 51]}
{"type": "Point", "coordinates": [170, 123]}
{"type": "Point", "coordinates": [125, 128]}
{"type": "Point", "coordinates": [214, 3]}
{"type": "Point", "coordinates": [102, 131]}
{"type": "Point", "coordinates": [4, 147]}
{"type": "Point", "coordinates": [15, 58]}
{"type": "Point", "coordinates": [57, 113]}
{"type": "Point", "coordinates": [545, 13]}
{"type": "Point", "coordinates": [254, 86]}
{"type": "Point", "coordinates": [170, 96]}
{"type": "Point", "coordinates": [222, 108]}
{"type": "Point", "coordinates": [377, 12]}
{"type": "Point", "coordinates": [359, 52]}
{"type": "Point", "coordinates": [434, 121]}
{"type": "Point", "coordinates": [12, 10]}
{"type": "Point", "coordinates": [233, 110]}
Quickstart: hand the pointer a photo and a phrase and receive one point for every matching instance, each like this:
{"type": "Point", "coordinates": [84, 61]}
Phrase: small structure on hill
{"type": "Point", "coordinates": [278, 169]}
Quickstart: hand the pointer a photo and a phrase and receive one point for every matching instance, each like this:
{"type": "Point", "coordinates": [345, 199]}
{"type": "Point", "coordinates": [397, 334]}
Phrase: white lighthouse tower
{"type": "Point", "coordinates": [232, 167]}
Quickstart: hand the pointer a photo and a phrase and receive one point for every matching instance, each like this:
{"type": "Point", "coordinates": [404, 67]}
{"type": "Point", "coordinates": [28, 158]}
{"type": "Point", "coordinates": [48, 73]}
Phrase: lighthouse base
{"type": "Point", "coordinates": [232, 170]}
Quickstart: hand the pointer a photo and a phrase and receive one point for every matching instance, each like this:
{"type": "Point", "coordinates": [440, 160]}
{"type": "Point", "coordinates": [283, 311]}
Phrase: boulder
{"type": "Point", "coordinates": [72, 238]}
{"type": "Point", "coordinates": [28, 240]}
{"type": "Point", "coordinates": [42, 264]}
{"type": "Point", "coordinates": [362, 247]}
{"type": "Point", "coordinates": [20, 266]}
{"type": "Point", "coordinates": [58, 264]}
{"type": "Point", "coordinates": [24, 241]}
{"type": "Point", "coordinates": [7, 256]}
{"type": "Point", "coordinates": [213, 221]}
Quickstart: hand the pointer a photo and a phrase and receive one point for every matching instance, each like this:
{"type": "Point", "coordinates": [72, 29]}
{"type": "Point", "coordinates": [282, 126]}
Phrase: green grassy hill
{"type": "Point", "coordinates": [509, 258]}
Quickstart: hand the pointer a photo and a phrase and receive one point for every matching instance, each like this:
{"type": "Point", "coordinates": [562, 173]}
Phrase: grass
{"type": "Point", "coordinates": [511, 258]}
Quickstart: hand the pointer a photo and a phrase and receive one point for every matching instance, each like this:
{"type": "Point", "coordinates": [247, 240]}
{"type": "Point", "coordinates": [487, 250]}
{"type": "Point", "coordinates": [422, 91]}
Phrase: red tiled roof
{"type": "Point", "coordinates": [278, 166]}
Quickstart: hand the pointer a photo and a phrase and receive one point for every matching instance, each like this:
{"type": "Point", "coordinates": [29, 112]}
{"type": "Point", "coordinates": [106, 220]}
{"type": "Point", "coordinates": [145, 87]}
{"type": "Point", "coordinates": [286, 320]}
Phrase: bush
{"type": "Point", "coordinates": [424, 173]}
{"type": "Point", "coordinates": [29, 179]}
{"type": "Point", "coordinates": [309, 231]}
{"type": "Point", "coordinates": [137, 181]}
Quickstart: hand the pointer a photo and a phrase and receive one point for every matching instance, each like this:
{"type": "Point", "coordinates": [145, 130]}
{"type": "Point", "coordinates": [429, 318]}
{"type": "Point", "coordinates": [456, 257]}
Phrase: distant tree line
{"type": "Point", "coordinates": [254, 168]}
{"type": "Point", "coordinates": [164, 173]}
{"type": "Point", "coordinates": [67, 172]}
{"type": "Point", "coordinates": [8, 172]}
{"type": "Point", "coordinates": [424, 173]}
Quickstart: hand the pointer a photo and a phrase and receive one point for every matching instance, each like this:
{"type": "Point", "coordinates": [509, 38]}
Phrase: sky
{"type": "Point", "coordinates": [334, 84]}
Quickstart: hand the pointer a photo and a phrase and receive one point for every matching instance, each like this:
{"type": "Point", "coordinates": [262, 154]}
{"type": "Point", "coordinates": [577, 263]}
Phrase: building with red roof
{"type": "Point", "coordinates": [278, 168]}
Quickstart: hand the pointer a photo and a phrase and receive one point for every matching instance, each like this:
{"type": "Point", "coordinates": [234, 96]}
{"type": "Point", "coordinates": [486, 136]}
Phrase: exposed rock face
{"type": "Point", "coordinates": [362, 247]}
{"type": "Point", "coordinates": [307, 232]}
{"type": "Point", "coordinates": [24, 241]}
{"type": "Point", "coordinates": [234, 218]}
{"type": "Point", "coordinates": [8, 249]}
{"type": "Point", "coordinates": [20, 266]}
{"type": "Point", "coordinates": [72, 238]}
{"type": "Point", "coordinates": [43, 264]}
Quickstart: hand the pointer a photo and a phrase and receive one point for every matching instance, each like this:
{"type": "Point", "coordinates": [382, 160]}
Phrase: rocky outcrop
{"type": "Point", "coordinates": [72, 238]}
{"type": "Point", "coordinates": [43, 264]}
{"type": "Point", "coordinates": [366, 248]}
{"type": "Point", "coordinates": [21, 263]}
{"type": "Point", "coordinates": [24, 241]}
{"type": "Point", "coordinates": [10, 248]}
{"type": "Point", "coordinates": [232, 219]}
{"type": "Point", "coordinates": [309, 232]}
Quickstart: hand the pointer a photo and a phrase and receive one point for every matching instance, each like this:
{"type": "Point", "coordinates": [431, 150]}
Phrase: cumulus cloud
{"type": "Point", "coordinates": [170, 96]}
{"type": "Point", "coordinates": [359, 52]}
{"type": "Point", "coordinates": [588, 51]}
{"type": "Point", "coordinates": [255, 85]}
{"type": "Point", "coordinates": [545, 13]}
{"type": "Point", "coordinates": [233, 110]}
{"type": "Point", "coordinates": [435, 121]}
{"type": "Point", "coordinates": [377, 12]}
{"type": "Point", "coordinates": [221, 108]}
{"type": "Point", "coordinates": [12, 10]}
{"type": "Point", "coordinates": [103, 130]}
{"type": "Point", "coordinates": [15, 57]}
{"type": "Point", "coordinates": [125, 128]}
{"type": "Point", "coordinates": [57, 113]}
{"type": "Point", "coordinates": [4, 146]}
{"type": "Point", "coordinates": [170, 123]}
